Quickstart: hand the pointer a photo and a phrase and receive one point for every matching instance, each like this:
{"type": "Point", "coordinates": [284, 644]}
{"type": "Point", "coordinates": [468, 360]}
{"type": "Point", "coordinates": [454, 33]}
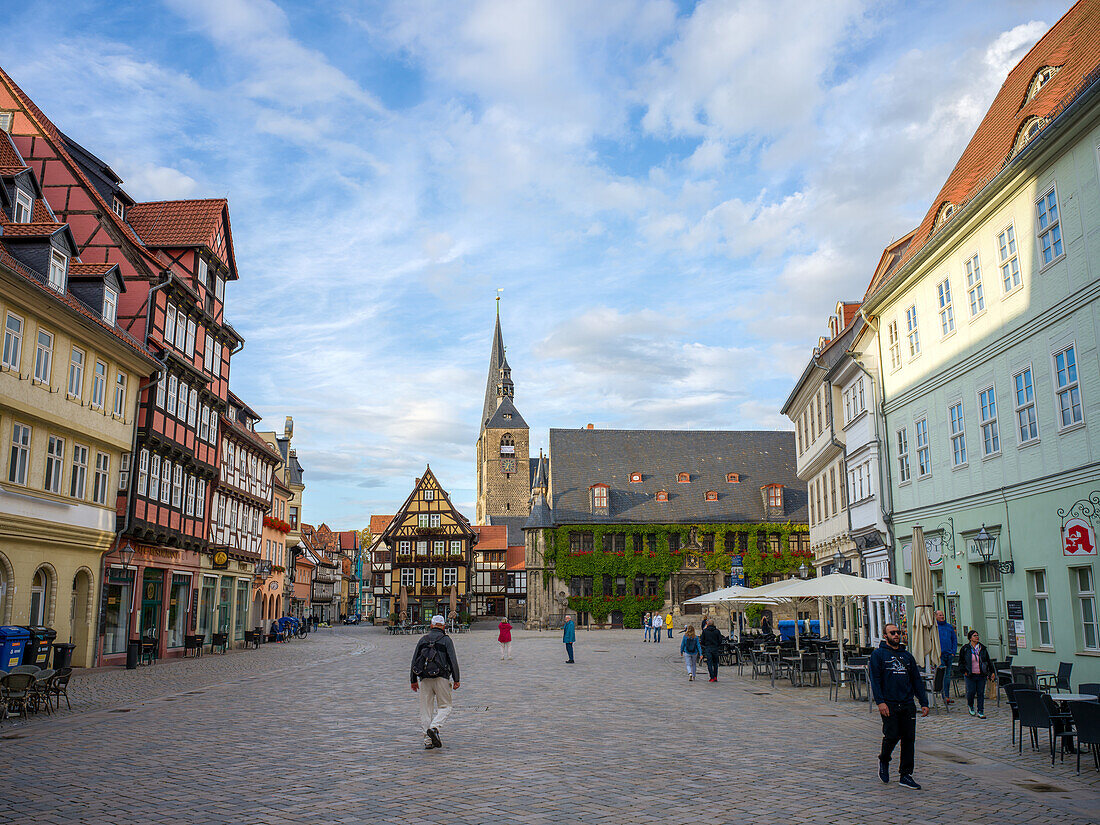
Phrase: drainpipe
{"type": "Point", "coordinates": [133, 463]}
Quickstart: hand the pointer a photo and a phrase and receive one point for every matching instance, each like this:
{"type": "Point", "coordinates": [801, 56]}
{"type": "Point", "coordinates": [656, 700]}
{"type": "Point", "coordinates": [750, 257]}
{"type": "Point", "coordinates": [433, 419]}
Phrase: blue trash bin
{"type": "Point", "coordinates": [13, 643]}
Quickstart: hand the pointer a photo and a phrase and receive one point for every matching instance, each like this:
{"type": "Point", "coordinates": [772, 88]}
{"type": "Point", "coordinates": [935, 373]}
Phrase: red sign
{"type": "Point", "coordinates": [1078, 538]}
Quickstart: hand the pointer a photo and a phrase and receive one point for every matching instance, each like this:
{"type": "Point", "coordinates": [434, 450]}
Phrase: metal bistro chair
{"type": "Point", "coordinates": [1010, 696]}
{"type": "Point", "coordinates": [59, 686]}
{"type": "Point", "coordinates": [1086, 723]}
{"type": "Point", "coordinates": [1089, 687]}
{"type": "Point", "coordinates": [1059, 682]}
{"type": "Point", "coordinates": [18, 690]}
{"type": "Point", "coordinates": [759, 664]}
{"type": "Point", "coordinates": [31, 669]}
{"type": "Point", "coordinates": [937, 688]}
{"type": "Point", "coordinates": [1034, 715]}
{"type": "Point", "coordinates": [42, 682]}
{"type": "Point", "coordinates": [1026, 676]}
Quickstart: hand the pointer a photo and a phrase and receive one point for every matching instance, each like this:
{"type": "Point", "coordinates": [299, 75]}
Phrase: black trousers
{"type": "Point", "coordinates": [712, 662]}
{"type": "Point", "coordinates": [900, 725]}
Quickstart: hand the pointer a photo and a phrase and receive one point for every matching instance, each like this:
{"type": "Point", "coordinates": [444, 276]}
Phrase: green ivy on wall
{"type": "Point", "coordinates": [631, 564]}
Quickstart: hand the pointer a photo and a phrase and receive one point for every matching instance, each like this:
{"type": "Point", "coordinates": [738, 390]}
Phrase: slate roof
{"type": "Point", "coordinates": [497, 361]}
{"type": "Point", "coordinates": [514, 524]}
{"type": "Point", "coordinates": [1073, 44]}
{"type": "Point", "coordinates": [581, 458]}
{"type": "Point", "coordinates": [498, 420]}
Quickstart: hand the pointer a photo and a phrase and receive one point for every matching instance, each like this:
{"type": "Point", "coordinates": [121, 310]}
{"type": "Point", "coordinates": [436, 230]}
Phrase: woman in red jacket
{"type": "Point", "coordinates": [505, 639]}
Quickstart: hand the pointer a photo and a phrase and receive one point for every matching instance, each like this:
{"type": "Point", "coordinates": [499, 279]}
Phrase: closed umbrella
{"type": "Point", "coordinates": [924, 639]}
{"type": "Point", "coordinates": [403, 603]}
{"type": "Point", "coordinates": [454, 605]}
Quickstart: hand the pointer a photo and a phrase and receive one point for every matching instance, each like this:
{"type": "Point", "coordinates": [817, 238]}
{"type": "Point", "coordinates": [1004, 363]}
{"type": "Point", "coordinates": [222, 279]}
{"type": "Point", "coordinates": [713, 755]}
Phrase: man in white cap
{"type": "Point", "coordinates": [434, 666]}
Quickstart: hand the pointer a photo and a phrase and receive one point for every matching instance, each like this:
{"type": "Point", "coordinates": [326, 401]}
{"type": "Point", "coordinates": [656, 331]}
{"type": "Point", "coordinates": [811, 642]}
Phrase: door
{"type": "Point", "coordinates": [989, 601]}
{"type": "Point", "coordinates": [152, 598]}
{"type": "Point", "coordinates": [80, 620]}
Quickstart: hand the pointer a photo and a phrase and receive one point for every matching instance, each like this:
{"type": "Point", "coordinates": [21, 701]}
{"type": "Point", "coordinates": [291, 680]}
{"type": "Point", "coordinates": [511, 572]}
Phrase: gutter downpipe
{"type": "Point", "coordinates": [133, 466]}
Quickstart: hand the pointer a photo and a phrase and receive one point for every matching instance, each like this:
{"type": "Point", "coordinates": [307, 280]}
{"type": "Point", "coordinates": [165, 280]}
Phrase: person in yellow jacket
{"type": "Point", "coordinates": [668, 623]}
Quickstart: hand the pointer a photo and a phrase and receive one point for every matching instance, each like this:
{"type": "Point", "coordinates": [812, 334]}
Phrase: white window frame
{"type": "Point", "coordinates": [101, 481]}
{"type": "Point", "coordinates": [433, 520]}
{"type": "Point", "coordinates": [901, 437]}
{"type": "Point", "coordinates": [154, 477]}
{"type": "Point", "coordinates": [190, 501]}
{"type": "Point", "coordinates": [110, 306]}
{"type": "Point", "coordinates": [165, 481]}
{"type": "Point", "coordinates": [1027, 421]}
{"type": "Point", "coordinates": [99, 385]}
{"type": "Point", "coordinates": [59, 263]}
{"type": "Point", "coordinates": [1050, 227]}
{"type": "Point", "coordinates": [55, 465]}
{"type": "Point", "coordinates": [173, 394]}
{"type": "Point", "coordinates": [162, 383]}
{"type": "Point", "coordinates": [429, 495]}
{"type": "Point", "coordinates": [208, 353]}
{"type": "Point", "coordinates": [1086, 606]}
{"type": "Point", "coordinates": [422, 520]}
{"type": "Point", "coordinates": [177, 485]}
{"type": "Point", "coordinates": [408, 577]}
{"type": "Point", "coordinates": [975, 292]}
{"type": "Point", "coordinates": [200, 499]}
{"type": "Point", "coordinates": [456, 547]}
{"type": "Point", "coordinates": [118, 208]}
{"type": "Point", "coordinates": [1008, 259]}
{"type": "Point", "coordinates": [924, 451]}
{"type": "Point", "coordinates": [193, 408]}
{"type": "Point", "coordinates": [13, 340]}
{"type": "Point", "coordinates": [190, 342]}
{"type": "Point", "coordinates": [989, 422]}
{"type": "Point", "coordinates": [947, 310]}
{"type": "Point", "coordinates": [120, 394]}
{"type": "Point", "coordinates": [76, 373]}
{"type": "Point", "coordinates": [1040, 601]}
{"type": "Point", "coordinates": [894, 345]}
{"type": "Point", "coordinates": [43, 356]}
{"type": "Point", "coordinates": [1068, 387]}
{"type": "Point", "coordinates": [169, 323]}
{"type": "Point", "coordinates": [439, 547]}
{"type": "Point", "coordinates": [912, 332]}
{"type": "Point", "coordinates": [181, 330]}
{"type": "Point", "coordinates": [427, 577]}
{"type": "Point", "coordinates": [957, 423]}
{"type": "Point", "coordinates": [450, 576]}
{"type": "Point", "coordinates": [143, 472]}
{"type": "Point", "coordinates": [78, 472]}
{"type": "Point", "coordinates": [23, 209]}
{"type": "Point", "coordinates": [19, 456]}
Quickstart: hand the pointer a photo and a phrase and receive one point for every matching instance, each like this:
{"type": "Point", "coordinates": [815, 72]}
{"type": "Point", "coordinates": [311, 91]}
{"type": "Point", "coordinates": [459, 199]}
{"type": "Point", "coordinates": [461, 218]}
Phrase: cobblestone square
{"type": "Point", "coordinates": [324, 730]}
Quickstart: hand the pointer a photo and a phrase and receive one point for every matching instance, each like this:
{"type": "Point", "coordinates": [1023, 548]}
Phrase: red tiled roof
{"type": "Point", "coordinates": [80, 268]}
{"type": "Point", "coordinates": [348, 539]}
{"type": "Point", "coordinates": [516, 558]}
{"type": "Point", "coordinates": [32, 230]}
{"type": "Point", "coordinates": [491, 537]}
{"type": "Point", "coordinates": [378, 524]}
{"type": "Point", "coordinates": [851, 309]}
{"type": "Point", "coordinates": [1073, 44]}
{"type": "Point", "coordinates": [183, 224]}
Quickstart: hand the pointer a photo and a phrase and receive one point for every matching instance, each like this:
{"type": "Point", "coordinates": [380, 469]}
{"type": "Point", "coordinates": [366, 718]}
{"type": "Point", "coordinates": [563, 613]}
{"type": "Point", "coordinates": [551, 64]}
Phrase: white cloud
{"type": "Point", "coordinates": [148, 182]}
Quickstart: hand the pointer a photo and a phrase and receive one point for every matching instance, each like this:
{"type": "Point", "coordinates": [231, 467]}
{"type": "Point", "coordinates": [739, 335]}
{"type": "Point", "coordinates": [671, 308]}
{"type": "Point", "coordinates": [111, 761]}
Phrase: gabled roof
{"type": "Point", "coordinates": [378, 524]}
{"type": "Point", "coordinates": [584, 457]}
{"type": "Point", "coordinates": [186, 223]}
{"type": "Point", "coordinates": [498, 421]}
{"type": "Point", "coordinates": [824, 360]}
{"type": "Point", "coordinates": [1073, 46]}
{"type": "Point", "coordinates": [428, 479]}
{"type": "Point", "coordinates": [491, 536]}
{"type": "Point", "coordinates": [349, 539]}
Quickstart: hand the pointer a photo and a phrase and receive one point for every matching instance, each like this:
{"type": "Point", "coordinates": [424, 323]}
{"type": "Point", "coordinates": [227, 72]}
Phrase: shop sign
{"type": "Point", "coordinates": [1078, 538]}
{"type": "Point", "coordinates": [220, 560]}
{"type": "Point", "coordinates": [1017, 637]}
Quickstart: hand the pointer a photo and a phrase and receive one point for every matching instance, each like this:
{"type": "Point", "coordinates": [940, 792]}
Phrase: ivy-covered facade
{"type": "Point", "coordinates": [669, 514]}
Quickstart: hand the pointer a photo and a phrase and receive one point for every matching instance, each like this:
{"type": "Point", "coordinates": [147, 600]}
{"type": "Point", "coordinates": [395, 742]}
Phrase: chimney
{"type": "Point", "coordinates": [288, 427]}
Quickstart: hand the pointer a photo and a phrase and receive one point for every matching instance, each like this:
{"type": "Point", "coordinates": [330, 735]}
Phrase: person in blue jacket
{"type": "Point", "coordinates": [949, 650]}
{"type": "Point", "coordinates": [569, 635]}
{"type": "Point", "coordinates": [895, 679]}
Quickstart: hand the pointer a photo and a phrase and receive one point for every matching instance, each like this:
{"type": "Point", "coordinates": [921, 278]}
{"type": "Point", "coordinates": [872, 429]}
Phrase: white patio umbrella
{"type": "Point", "coordinates": [924, 636]}
{"type": "Point", "coordinates": [734, 594]}
{"type": "Point", "coordinates": [833, 586]}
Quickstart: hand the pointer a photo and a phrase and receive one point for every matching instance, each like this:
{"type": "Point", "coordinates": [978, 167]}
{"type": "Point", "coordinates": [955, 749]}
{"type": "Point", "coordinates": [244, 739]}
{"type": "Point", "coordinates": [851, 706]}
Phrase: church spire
{"type": "Point", "coordinates": [498, 384]}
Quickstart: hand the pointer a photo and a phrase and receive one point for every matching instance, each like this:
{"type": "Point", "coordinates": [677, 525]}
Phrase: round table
{"type": "Point", "coordinates": [1074, 697]}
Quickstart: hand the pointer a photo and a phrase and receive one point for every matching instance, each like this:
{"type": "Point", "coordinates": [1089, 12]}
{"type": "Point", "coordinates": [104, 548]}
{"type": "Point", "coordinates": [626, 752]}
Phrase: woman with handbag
{"type": "Point", "coordinates": [689, 648]}
{"type": "Point", "coordinates": [977, 667]}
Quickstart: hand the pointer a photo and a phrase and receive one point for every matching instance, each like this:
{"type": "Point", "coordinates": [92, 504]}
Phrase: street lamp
{"type": "Point", "coordinates": [127, 555]}
{"type": "Point", "coordinates": [840, 564]}
{"type": "Point", "coordinates": [803, 572]}
{"type": "Point", "coordinates": [985, 545]}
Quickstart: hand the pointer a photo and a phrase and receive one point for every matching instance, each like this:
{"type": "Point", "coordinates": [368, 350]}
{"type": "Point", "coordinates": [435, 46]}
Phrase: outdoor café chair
{"type": "Point", "coordinates": [937, 687]}
{"type": "Point", "coordinates": [1086, 723]}
{"type": "Point", "coordinates": [1010, 695]}
{"type": "Point", "coordinates": [18, 690]}
{"type": "Point", "coordinates": [31, 669]}
{"type": "Point", "coordinates": [1034, 715]}
{"type": "Point", "coordinates": [1026, 675]}
{"type": "Point", "coordinates": [42, 691]}
{"type": "Point", "coordinates": [60, 686]}
{"type": "Point", "coordinates": [1089, 687]}
{"type": "Point", "coordinates": [1059, 682]}
{"type": "Point", "coordinates": [759, 664]}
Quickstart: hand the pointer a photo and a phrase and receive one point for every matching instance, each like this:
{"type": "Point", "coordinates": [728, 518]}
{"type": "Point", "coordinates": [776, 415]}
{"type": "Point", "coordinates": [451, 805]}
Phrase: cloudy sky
{"type": "Point", "coordinates": [672, 195]}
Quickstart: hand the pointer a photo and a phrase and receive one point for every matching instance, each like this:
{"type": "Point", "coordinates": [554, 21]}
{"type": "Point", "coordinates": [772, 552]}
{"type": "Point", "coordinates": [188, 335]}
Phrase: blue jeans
{"type": "Point", "coordinates": [648, 630]}
{"type": "Point", "coordinates": [975, 686]}
{"type": "Point", "coordinates": [569, 650]}
{"type": "Point", "coordinates": [947, 658]}
{"type": "Point", "coordinates": [670, 633]}
{"type": "Point", "coordinates": [657, 635]}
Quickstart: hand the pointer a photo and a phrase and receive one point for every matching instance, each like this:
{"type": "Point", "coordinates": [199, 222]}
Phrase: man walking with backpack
{"type": "Point", "coordinates": [435, 665]}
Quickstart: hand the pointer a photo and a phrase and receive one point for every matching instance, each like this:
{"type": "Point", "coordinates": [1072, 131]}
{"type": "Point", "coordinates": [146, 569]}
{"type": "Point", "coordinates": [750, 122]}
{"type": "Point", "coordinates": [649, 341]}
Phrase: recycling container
{"type": "Point", "coordinates": [62, 655]}
{"type": "Point", "coordinates": [13, 643]}
{"type": "Point", "coordinates": [37, 651]}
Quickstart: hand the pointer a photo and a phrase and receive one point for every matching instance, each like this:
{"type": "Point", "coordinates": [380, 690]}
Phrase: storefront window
{"type": "Point", "coordinates": [177, 609]}
{"type": "Point", "coordinates": [225, 597]}
{"type": "Point", "coordinates": [243, 592]}
{"type": "Point", "coordinates": [116, 631]}
{"type": "Point", "coordinates": [206, 606]}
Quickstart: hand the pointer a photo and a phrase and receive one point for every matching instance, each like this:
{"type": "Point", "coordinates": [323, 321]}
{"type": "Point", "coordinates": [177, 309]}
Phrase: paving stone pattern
{"type": "Point", "coordinates": [324, 730]}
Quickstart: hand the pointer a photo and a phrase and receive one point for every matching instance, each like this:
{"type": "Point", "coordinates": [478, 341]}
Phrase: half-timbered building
{"type": "Point", "coordinates": [431, 543]}
{"type": "Point", "coordinates": [174, 258]}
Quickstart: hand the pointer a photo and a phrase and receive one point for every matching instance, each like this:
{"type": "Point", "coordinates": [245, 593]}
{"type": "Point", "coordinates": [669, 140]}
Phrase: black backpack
{"type": "Point", "coordinates": [431, 660]}
{"type": "Point", "coordinates": [692, 645]}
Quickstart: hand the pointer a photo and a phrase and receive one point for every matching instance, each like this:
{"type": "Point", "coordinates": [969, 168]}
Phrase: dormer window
{"type": "Point", "coordinates": [58, 264]}
{"type": "Point", "coordinates": [775, 496]}
{"type": "Point", "coordinates": [1032, 126]}
{"type": "Point", "coordinates": [662, 495]}
{"type": "Point", "coordinates": [683, 478]}
{"type": "Point", "coordinates": [1042, 77]}
{"type": "Point", "coordinates": [110, 305]}
{"type": "Point", "coordinates": [118, 208]}
{"type": "Point", "coordinates": [635, 478]}
{"type": "Point", "coordinates": [24, 207]}
{"type": "Point", "coordinates": [945, 213]}
{"type": "Point", "coordinates": [599, 497]}
{"type": "Point", "coordinates": [733, 478]}
{"type": "Point", "coordinates": [507, 416]}
{"type": "Point", "coordinates": [712, 495]}
{"type": "Point", "coordinates": [5, 120]}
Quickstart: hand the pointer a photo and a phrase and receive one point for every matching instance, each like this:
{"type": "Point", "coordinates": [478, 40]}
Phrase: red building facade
{"type": "Point", "coordinates": [175, 258]}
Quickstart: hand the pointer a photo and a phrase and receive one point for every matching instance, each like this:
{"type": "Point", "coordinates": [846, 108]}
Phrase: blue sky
{"type": "Point", "coordinates": [672, 195]}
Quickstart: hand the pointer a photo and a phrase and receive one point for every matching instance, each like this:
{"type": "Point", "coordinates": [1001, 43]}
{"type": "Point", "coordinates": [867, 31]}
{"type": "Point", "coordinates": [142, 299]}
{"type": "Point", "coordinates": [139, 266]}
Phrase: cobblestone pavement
{"type": "Point", "coordinates": [324, 730]}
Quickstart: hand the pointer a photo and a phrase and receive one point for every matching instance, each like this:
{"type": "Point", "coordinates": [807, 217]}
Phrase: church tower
{"type": "Point", "coordinates": [503, 452]}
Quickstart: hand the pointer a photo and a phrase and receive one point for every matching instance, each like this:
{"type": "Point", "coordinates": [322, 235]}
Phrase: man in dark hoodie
{"type": "Point", "coordinates": [895, 679]}
{"type": "Point", "coordinates": [712, 644]}
{"type": "Point", "coordinates": [434, 664]}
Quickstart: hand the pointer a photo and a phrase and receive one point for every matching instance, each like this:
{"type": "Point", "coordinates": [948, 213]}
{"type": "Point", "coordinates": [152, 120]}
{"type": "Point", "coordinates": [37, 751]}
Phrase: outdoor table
{"type": "Point", "coordinates": [862, 670]}
{"type": "Point", "coordinates": [1074, 697]}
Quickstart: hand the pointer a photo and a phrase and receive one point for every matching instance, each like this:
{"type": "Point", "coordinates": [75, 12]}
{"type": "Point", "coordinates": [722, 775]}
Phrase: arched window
{"type": "Point", "coordinates": [1042, 77]}
{"type": "Point", "coordinates": [945, 213]}
{"type": "Point", "coordinates": [507, 445]}
{"type": "Point", "coordinates": [712, 495]}
{"type": "Point", "coordinates": [662, 495]}
{"type": "Point", "coordinates": [38, 597]}
{"type": "Point", "coordinates": [683, 478]}
{"type": "Point", "coordinates": [733, 478]}
{"type": "Point", "coordinates": [1032, 126]}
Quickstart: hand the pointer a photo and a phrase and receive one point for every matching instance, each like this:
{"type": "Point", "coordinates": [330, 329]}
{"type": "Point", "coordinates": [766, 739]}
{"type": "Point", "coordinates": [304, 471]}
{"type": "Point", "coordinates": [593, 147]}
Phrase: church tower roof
{"type": "Point", "coordinates": [499, 389]}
